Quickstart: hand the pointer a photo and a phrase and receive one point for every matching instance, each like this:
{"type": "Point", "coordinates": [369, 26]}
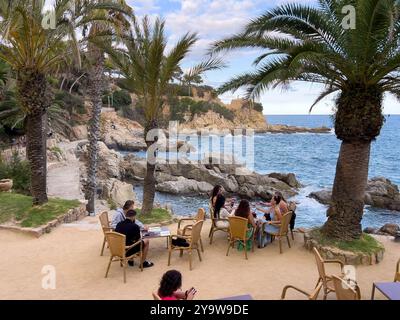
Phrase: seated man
{"type": "Point", "coordinates": [131, 230]}
{"type": "Point", "coordinates": [120, 215]}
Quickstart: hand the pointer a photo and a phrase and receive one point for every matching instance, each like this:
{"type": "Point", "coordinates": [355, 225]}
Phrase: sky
{"type": "Point", "coordinates": [216, 19]}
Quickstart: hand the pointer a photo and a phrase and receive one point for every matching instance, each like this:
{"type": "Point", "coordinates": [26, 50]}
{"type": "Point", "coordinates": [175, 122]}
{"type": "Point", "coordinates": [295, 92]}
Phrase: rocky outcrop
{"type": "Point", "coordinates": [380, 193]}
{"type": "Point", "coordinates": [117, 191]}
{"type": "Point", "coordinates": [281, 128]}
{"type": "Point", "coordinates": [198, 178]}
{"type": "Point", "coordinates": [389, 229]}
{"type": "Point", "coordinates": [120, 133]}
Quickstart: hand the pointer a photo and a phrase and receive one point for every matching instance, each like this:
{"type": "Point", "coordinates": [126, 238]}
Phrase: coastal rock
{"type": "Point", "coordinates": [289, 178]}
{"type": "Point", "coordinates": [80, 132]}
{"type": "Point", "coordinates": [6, 185]}
{"type": "Point", "coordinates": [280, 128]}
{"type": "Point", "coordinates": [389, 229]}
{"type": "Point", "coordinates": [380, 193]}
{"type": "Point", "coordinates": [199, 178]}
{"type": "Point", "coordinates": [120, 133]}
{"type": "Point", "coordinates": [117, 191]}
{"type": "Point", "coordinates": [184, 186]}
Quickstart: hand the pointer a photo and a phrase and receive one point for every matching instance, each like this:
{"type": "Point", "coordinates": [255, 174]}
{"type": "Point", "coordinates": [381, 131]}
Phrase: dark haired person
{"type": "Point", "coordinates": [131, 230]}
{"type": "Point", "coordinates": [170, 287]}
{"type": "Point", "coordinates": [217, 201]}
{"type": "Point", "coordinates": [283, 205]}
{"type": "Point", "coordinates": [244, 211]}
{"type": "Point", "coordinates": [276, 218]}
{"type": "Point", "coordinates": [120, 214]}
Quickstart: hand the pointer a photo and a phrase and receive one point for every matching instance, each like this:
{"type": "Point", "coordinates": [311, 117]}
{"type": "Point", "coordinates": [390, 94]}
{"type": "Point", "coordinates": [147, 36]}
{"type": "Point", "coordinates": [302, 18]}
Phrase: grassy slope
{"type": "Point", "coordinates": [157, 216]}
{"type": "Point", "coordinates": [366, 244]}
{"type": "Point", "coordinates": [19, 208]}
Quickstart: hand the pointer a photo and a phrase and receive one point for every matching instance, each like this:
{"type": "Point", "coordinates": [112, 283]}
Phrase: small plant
{"type": "Point", "coordinates": [19, 171]}
{"type": "Point", "coordinates": [112, 204]}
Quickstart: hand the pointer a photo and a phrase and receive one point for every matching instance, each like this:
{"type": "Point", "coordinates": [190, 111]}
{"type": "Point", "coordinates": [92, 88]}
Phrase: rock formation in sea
{"type": "Point", "coordinates": [380, 193]}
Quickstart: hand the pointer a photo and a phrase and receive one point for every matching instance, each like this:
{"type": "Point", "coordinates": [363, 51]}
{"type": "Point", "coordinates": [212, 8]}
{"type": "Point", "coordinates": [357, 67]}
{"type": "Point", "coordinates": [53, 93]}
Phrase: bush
{"type": "Point", "coordinates": [70, 102]}
{"type": "Point", "coordinates": [186, 105]}
{"type": "Point", "coordinates": [19, 171]}
{"type": "Point", "coordinates": [258, 107]}
{"type": "Point", "coordinates": [120, 99]}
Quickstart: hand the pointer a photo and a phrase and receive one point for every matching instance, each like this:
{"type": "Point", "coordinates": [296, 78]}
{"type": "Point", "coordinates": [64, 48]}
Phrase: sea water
{"type": "Point", "coordinates": [312, 157]}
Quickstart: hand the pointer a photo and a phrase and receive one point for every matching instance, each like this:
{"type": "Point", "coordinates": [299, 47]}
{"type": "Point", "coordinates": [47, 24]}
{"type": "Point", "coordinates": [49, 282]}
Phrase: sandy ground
{"type": "Point", "coordinates": [74, 251]}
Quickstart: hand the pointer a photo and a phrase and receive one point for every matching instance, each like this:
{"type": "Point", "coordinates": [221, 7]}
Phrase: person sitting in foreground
{"type": "Point", "coordinates": [218, 203]}
{"type": "Point", "coordinates": [120, 215]}
{"type": "Point", "coordinates": [131, 230]}
{"type": "Point", "coordinates": [170, 287]}
{"type": "Point", "coordinates": [244, 211]}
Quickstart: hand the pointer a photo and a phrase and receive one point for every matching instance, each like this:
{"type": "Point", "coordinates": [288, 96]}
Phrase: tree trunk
{"type": "Point", "coordinates": [149, 185]}
{"type": "Point", "coordinates": [346, 211]}
{"type": "Point", "coordinates": [36, 152]}
{"type": "Point", "coordinates": [95, 91]}
{"type": "Point", "coordinates": [34, 97]}
{"type": "Point", "coordinates": [358, 122]}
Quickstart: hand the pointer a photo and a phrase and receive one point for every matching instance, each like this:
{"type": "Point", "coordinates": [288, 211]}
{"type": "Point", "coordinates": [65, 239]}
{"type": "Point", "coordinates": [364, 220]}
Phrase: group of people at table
{"type": "Point", "coordinates": [124, 221]}
{"type": "Point", "coordinates": [271, 217]}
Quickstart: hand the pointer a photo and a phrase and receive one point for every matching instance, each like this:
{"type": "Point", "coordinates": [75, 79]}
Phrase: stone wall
{"type": "Point", "coordinates": [347, 257]}
{"type": "Point", "coordinates": [71, 216]}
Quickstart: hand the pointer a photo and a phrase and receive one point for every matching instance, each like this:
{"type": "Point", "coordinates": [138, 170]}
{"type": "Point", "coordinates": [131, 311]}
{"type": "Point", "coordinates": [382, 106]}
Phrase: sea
{"type": "Point", "coordinates": [312, 157]}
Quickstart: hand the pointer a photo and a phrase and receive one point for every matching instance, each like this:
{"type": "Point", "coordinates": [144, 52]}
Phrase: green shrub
{"type": "Point", "coordinates": [178, 108]}
{"type": "Point", "coordinates": [19, 171]}
{"type": "Point", "coordinates": [119, 99]}
{"type": "Point", "coordinates": [70, 102]}
{"type": "Point", "coordinates": [258, 107]}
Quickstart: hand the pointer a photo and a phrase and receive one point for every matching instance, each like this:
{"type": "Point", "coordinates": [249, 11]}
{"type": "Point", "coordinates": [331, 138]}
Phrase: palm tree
{"type": "Point", "coordinates": [147, 70]}
{"type": "Point", "coordinates": [33, 52]}
{"type": "Point", "coordinates": [305, 43]}
{"type": "Point", "coordinates": [107, 19]}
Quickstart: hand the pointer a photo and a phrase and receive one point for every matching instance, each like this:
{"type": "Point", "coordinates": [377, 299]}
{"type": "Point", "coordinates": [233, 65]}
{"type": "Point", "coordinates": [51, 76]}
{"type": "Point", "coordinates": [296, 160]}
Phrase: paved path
{"type": "Point", "coordinates": [63, 179]}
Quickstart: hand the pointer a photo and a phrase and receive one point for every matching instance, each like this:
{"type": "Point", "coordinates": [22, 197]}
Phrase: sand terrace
{"type": "Point", "coordinates": [74, 250]}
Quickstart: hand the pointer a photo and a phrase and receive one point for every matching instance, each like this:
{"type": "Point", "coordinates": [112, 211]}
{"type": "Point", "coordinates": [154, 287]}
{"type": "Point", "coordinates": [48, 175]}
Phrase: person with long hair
{"type": "Point", "coordinates": [217, 202]}
{"type": "Point", "coordinates": [170, 287]}
{"type": "Point", "coordinates": [283, 205]}
{"type": "Point", "coordinates": [244, 211]}
{"type": "Point", "coordinates": [276, 218]}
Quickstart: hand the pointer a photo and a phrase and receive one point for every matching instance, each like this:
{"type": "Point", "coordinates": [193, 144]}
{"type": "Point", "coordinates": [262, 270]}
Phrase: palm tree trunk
{"type": "Point", "coordinates": [149, 184]}
{"type": "Point", "coordinates": [36, 151]}
{"type": "Point", "coordinates": [95, 91]}
{"type": "Point", "coordinates": [34, 97]}
{"type": "Point", "coordinates": [346, 211]}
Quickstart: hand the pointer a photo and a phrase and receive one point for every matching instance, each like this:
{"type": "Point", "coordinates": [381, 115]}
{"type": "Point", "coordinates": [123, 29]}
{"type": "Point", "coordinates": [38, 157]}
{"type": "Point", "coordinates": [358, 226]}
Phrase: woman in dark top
{"type": "Point", "coordinates": [244, 211]}
{"type": "Point", "coordinates": [217, 202]}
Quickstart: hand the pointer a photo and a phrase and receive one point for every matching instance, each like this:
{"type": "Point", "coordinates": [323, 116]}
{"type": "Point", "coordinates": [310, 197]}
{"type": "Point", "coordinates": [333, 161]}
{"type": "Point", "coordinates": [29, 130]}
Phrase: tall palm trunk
{"type": "Point", "coordinates": [95, 91]}
{"type": "Point", "coordinates": [358, 122]}
{"type": "Point", "coordinates": [34, 97]}
{"type": "Point", "coordinates": [149, 184]}
{"type": "Point", "coordinates": [345, 213]}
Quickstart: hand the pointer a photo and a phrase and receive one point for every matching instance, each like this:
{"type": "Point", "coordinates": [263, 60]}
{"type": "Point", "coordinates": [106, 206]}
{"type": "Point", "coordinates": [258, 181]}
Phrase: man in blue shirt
{"type": "Point", "coordinates": [120, 215]}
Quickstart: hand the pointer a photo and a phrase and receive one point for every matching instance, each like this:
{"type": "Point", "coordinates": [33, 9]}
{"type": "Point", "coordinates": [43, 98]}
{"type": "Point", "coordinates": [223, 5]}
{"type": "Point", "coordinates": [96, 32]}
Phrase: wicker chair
{"type": "Point", "coordinates": [106, 227]}
{"type": "Point", "coordinates": [238, 228]}
{"type": "Point", "coordinates": [323, 277]}
{"type": "Point", "coordinates": [283, 230]}
{"type": "Point", "coordinates": [193, 241]}
{"type": "Point", "coordinates": [397, 275]}
{"type": "Point", "coordinates": [185, 230]}
{"type": "Point", "coordinates": [311, 296]}
{"type": "Point", "coordinates": [116, 242]}
{"type": "Point", "coordinates": [214, 228]}
{"type": "Point", "coordinates": [344, 291]}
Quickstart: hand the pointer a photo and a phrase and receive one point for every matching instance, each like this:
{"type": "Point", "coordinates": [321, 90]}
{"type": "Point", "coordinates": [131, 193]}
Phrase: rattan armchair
{"type": "Point", "coordinates": [238, 229]}
{"type": "Point", "coordinates": [185, 225]}
{"type": "Point", "coordinates": [193, 240]}
{"type": "Point", "coordinates": [283, 230]}
{"type": "Point", "coordinates": [344, 291]}
{"type": "Point", "coordinates": [106, 227]}
{"type": "Point", "coordinates": [397, 274]}
{"type": "Point", "coordinates": [323, 277]}
{"type": "Point", "coordinates": [118, 249]}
